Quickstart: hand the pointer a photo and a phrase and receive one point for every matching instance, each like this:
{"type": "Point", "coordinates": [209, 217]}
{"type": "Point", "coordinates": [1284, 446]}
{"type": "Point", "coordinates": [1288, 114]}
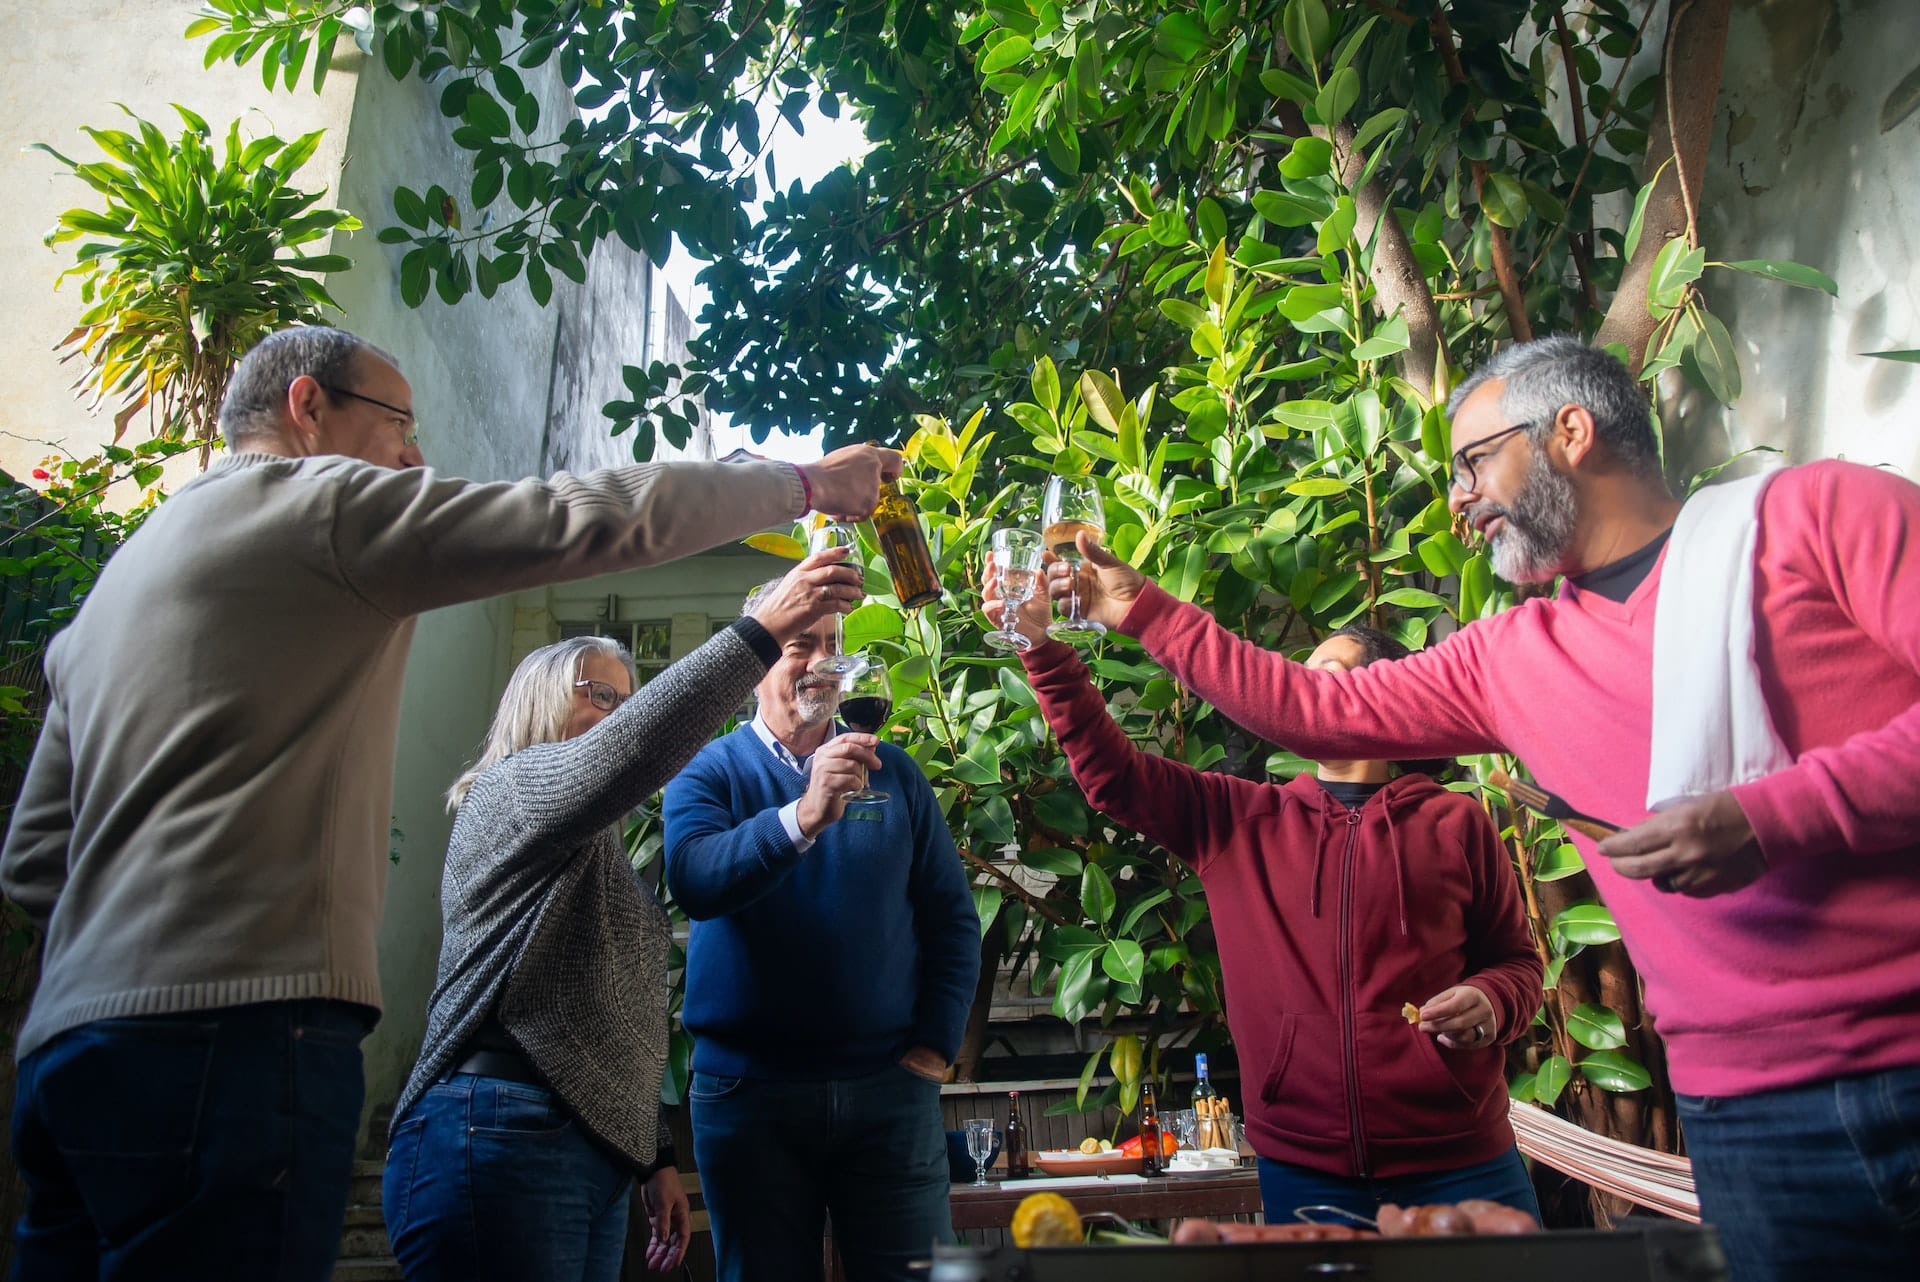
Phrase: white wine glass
{"type": "Point", "coordinates": [1016, 557]}
{"type": "Point", "coordinates": [1072, 507]}
{"type": "Point", "coordinates": [834, 660]}
{"type": "Point", "coordinates": [866, 703]}
{"type": "Point", "coordinates": [980, 1146]}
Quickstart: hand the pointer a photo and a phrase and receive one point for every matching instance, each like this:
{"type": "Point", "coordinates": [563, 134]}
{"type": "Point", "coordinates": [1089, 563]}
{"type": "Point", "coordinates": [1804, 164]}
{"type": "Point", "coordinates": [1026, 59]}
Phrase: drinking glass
{"type": "Point", "coordinates": [1072, 505]}
{"type": "Point", "coordinates": [1016, 560]}
{"type": "Point", "coordinates": [980, 1146]}
{"type": "Point", "coordinates": [1186, 1128]}
{"type": "Point", "coordinates": [866, 701]}
{"type": "Point", "coordinates": [835, 661]}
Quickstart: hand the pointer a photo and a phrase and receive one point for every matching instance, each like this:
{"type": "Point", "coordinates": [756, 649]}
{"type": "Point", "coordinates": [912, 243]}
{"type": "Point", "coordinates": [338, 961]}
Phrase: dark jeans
{"type": "Point", "coordinates": [209, 1144]}
{"type": "Point", "coordinates": [1818, 1182]}
{"type": "Point", "coordinates": [1285, 1187]}
{"type": "Point", "coordinates": [776, 1158]}
{"type": "Point", "coordinates": [491, 1179]}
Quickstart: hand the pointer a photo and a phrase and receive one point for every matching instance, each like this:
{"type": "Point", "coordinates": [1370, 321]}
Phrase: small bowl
{"type": "Point", "coordinates": [1070, 1162]}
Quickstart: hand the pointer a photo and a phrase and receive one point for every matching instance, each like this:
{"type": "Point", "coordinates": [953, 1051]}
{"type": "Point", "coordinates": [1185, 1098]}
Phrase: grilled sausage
{"type": "Point", "coordinates": [1497, 1218]}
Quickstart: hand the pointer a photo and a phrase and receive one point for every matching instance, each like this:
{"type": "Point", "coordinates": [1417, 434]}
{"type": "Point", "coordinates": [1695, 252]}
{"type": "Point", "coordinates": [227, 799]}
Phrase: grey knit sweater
{"type": "Point", "coordinates": [547, 927]}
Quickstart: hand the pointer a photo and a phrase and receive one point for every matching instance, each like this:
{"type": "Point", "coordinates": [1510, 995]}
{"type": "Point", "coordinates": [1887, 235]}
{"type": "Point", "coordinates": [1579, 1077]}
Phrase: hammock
{"type": "Point", "coordinates": [1660, 1182]}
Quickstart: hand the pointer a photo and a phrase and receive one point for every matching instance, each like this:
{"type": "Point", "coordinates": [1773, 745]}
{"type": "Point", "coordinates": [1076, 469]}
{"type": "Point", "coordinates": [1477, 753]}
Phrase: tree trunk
{"type": "Point", "coordinates": [1682, 128]}
{"type": "Point", "coordinates": [973, 1038]}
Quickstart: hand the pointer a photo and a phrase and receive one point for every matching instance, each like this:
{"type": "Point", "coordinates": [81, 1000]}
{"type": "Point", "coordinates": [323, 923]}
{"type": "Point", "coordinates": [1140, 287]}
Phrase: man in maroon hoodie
{"type": "Point", "coordinates": [1337, 900]}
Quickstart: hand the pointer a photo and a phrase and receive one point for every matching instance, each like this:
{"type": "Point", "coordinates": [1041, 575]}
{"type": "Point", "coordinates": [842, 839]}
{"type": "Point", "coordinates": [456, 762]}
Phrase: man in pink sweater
{"type": "Point", "coordinates": [1776, 923]}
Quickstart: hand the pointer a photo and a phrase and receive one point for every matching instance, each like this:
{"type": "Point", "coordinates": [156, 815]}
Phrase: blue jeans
{"type": "Point", "coordinates": [1285, 1187]}
{"type": "Point", "coordinates": [1815, 1182]}
{"type": "Point", "coordinates": [488, 1179]}
{"type": "Point", "coordinates": [208, 1144]}
{"type": "Point", "coordinates": [776, 1158]}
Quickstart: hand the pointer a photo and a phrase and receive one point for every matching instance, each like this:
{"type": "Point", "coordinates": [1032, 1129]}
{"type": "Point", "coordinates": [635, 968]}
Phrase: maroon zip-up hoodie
{"type": "Point", "coordinates": [1328, 922]}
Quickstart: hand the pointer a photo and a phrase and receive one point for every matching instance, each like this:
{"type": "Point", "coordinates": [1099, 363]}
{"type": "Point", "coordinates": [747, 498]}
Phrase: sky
{"type": "Point", "coordinates": [808, 158]}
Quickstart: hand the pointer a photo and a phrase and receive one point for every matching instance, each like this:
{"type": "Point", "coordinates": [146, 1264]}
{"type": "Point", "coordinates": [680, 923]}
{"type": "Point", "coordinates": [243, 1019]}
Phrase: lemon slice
{"type": "Point", "coordinates": [1046, 1219]}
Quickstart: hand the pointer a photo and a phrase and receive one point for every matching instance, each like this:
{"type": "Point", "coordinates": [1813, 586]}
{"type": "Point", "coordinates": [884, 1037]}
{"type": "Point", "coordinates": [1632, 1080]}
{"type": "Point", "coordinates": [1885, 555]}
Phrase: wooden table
{"type": "Point", "coordinates": [1131, 1197]}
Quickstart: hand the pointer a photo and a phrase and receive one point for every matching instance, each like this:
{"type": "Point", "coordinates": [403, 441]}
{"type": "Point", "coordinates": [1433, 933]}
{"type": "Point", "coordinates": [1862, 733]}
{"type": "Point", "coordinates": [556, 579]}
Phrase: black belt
{"type": "Point", "coordinates": [509, 1065]}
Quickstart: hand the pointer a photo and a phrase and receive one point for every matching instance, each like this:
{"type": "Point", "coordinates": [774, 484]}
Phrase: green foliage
{"type": "Point", "coordinates": [186, 265]}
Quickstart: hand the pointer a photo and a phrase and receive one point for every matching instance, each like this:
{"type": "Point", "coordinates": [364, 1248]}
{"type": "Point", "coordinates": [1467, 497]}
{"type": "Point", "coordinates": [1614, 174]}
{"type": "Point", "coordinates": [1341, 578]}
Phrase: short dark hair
{"type": "Point", "coordinates": [257, 393]}
{"type": "Point", "coordinates": [1376, 645]}
{"type": "Point", "coordinates": [1546, 374]}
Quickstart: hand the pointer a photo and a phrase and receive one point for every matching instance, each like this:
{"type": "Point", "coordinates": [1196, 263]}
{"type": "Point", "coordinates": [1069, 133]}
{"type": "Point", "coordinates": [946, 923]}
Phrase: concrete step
{"type": "Point", "coordinates": [360, 1213]}
{"type": "Point", "coordinates": [358, 1242]}
{"type": "Point", "coordinates": [364, 1188]}
{"type": "Point", "coordinates": [368, 1269]}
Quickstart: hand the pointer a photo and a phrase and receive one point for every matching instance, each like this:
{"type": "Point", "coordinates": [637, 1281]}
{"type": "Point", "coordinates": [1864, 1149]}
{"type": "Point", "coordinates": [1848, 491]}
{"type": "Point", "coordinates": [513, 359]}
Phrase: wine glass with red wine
{"type": "Point", "coordinates": [866, 705]}
{"type": "Point", "coordinates": [1072, 507]}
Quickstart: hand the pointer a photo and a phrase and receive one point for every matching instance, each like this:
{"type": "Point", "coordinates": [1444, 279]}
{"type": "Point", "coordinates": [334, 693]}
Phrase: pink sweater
{"type": "Point", "coordinates": [1813, 971]}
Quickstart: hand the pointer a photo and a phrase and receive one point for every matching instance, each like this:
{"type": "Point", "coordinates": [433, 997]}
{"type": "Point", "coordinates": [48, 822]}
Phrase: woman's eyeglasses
{"type": "Point", "coordinates": [602, 696]}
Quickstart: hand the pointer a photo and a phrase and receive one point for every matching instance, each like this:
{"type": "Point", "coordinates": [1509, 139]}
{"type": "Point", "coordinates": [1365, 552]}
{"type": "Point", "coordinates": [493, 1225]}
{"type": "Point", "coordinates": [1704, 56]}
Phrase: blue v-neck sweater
{"type": "Point", "coordinates": [825, 964]}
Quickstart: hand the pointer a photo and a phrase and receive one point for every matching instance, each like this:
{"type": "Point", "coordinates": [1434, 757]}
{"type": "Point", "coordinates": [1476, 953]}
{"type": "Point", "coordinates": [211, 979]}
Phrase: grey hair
{"type": "Point", "coordinates": [536, 704]}
{"type": "Point", "coordinates": [255, 403]}
{"type": "Point", "coordinates": [759, 594]}
{"type": "Point", "coordinates": [1547, 374]}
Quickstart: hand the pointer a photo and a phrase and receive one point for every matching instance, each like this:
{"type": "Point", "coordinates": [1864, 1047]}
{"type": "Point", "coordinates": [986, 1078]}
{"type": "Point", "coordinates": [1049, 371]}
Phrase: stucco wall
{"type": "Point", "coordinates": [1802, 170]}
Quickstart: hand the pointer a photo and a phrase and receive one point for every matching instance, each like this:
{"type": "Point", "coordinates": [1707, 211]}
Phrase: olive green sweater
{"type": "Point", "coordinates": [205, 819]}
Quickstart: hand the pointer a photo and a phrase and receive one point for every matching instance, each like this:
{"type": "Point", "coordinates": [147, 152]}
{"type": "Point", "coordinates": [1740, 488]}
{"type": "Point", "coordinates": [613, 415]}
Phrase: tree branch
{"type": "Point", "coordinates": [1682, 129]}
{"type": "Point", "coordinates": [1020, 892]}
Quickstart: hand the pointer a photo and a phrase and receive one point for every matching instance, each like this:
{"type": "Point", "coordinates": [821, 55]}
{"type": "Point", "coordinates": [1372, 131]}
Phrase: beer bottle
{"type": "Point", "coordinates": [1150, 1159]}
{"type": "Point", "coordinates": [1015, 1146]}
{"type": "Point", "coordinates": [897, 523]}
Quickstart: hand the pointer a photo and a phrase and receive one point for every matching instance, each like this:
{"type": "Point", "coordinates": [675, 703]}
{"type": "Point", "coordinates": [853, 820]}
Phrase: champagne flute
{"type": "Point", "coordinates": [834, 660]}
{"type": "Point", "coordinates": [866, 701]}
{"type": "Point", "coordinates": [1016, 560]}
{"type": "Point", "coordinates": [980, 1146]}
{"type": "Point", "coordinates": [1072, 506]}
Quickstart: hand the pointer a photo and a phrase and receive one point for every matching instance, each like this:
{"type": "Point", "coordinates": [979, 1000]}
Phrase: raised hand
{"type": "Point", "coordinates": [846, 483]}
{"type": "Point", "coordinates": [820, 585]}
{"type": "Point", "coordinates": [1108, 585]}
{"type": "Point", "coordinates": [1030, 619]}
{"type": "Point", "coordinates": [840, 766]}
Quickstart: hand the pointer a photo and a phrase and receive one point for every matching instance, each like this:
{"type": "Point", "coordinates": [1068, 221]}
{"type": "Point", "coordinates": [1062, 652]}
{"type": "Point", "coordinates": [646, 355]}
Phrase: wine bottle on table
{"type": "Point", "coordinates": [1015, 1146]}
{"type": "Point", "coordinates": [1150, 1158]}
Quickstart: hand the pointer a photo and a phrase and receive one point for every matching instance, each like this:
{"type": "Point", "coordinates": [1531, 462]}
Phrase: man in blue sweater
{"type": "Point", "coordinates": [832, 960]}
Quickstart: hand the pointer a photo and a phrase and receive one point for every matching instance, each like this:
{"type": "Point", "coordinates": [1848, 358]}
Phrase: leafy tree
{"type": "Point", "coordinates": [1261, 236]}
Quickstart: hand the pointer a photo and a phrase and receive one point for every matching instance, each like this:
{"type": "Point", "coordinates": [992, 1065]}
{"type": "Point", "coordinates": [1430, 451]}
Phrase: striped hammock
{"type": "Point", "coordinates": [1658, 1181]}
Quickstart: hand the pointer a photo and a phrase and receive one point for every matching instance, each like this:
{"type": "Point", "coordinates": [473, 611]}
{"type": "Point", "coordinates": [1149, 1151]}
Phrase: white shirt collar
{"type": "Point", "coordinates": [780, 750]}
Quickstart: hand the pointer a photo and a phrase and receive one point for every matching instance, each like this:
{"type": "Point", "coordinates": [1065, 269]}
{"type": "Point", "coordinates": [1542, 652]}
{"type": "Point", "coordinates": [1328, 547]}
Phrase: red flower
{"type": "Point", "coordinates": [41, 474]}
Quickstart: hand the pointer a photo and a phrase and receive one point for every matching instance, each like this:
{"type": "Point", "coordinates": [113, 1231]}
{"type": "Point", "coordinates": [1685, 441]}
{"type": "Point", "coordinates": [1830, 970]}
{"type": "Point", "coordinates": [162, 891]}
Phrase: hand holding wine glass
{"type": "Point", "coordinates": [834, 661]}
{"type": "Point", "coordinates": [1014, 578]}
{"type": "Point", "coordinates": [1072, 508]}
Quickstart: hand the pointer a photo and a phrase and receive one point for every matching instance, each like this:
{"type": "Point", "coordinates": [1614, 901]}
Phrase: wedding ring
{"type": "Point", "coordinates": [1479, 1032]}
{"type": "Point", "coordinates": [1663, 883]}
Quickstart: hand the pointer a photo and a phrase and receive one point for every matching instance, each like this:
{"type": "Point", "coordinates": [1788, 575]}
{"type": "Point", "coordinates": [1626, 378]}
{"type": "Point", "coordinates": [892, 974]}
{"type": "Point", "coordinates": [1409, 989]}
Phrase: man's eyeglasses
{"type": "Point", "coordinates": [1465, 465]}
{"type": "Point", "coordinates": [412, 437]}
{"type": "Point", "coordinates": [602, 696]}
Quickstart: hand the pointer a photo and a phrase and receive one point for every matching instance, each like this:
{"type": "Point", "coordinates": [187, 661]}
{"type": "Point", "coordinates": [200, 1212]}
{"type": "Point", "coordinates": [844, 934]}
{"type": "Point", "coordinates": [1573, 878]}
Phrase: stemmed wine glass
{"type": "Point", "coordinates": [1016, 559]}
{"type": "Point", "coordinates": [1072, 505]}
{"type": "Point", "coordinates": [835, 661]}
{"type": "Point", "coordinates": [980, 1146]}
{"type": "Point", "coordinates": [866, 701]}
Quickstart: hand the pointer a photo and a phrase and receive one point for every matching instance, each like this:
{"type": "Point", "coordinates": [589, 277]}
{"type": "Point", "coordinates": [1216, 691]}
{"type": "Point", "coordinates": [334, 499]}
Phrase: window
{"type": "Point", "coordinates": [650, 640]}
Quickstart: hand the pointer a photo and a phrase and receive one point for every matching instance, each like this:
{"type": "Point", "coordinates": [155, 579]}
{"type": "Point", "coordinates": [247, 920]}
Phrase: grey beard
{"type": "Point", "coordinates": [815, 705]}
{"type": "Point", "coordinates": [1539, 527]}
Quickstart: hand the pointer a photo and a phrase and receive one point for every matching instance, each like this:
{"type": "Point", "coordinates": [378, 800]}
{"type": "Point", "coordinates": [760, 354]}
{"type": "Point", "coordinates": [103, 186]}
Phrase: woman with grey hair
{"type": "Point", "coordinates": [535, 1100]}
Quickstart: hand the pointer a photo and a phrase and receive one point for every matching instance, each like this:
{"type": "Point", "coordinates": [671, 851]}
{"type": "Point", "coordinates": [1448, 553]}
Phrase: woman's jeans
{"type": "Point", "coordinates": [1285, 1187]}
{"type": "Point", "coordinates": [1819, 1182]}
{"type": "Point", "coordinates": [776, 1158]}
{"type": "Point", "coordinates": [207, 1144]}
{"type": "Point", "coordinates": [492, 1179]}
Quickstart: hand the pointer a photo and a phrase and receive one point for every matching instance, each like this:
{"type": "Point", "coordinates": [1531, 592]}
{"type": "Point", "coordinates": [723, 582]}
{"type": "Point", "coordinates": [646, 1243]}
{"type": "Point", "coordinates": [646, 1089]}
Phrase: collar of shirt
{"type": "Point", "coordinates": [778, 749]}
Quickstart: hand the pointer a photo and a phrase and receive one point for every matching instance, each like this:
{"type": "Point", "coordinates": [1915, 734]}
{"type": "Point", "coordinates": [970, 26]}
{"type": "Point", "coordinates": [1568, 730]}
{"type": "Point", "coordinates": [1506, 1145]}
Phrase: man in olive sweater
{"type": "Point", "coordinates": [203, 828]}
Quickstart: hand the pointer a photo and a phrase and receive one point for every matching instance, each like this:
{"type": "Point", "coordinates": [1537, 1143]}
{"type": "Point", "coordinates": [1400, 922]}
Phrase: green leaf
{"type": "Point", "coordinates": [986, 904]}
{"type": "Point", "coordinates": [1046, 385]}
{"type": "Point", "coordinates": [1287, 210]}
{"type": "Point", "coordinates": [1910, 355]}
{"type": "Point", "coordinates": [1284, 84]}
{"type": "Point", "coordinates": [1559, 862]}
{"type": "Point", "coordinates": [1389, 339]}
{"type": "Point", "coordinates": [1124, 961]}
{"type": "Point", "coordinates": [1505, 200]}
{"type": "Point", "coordinates": [414, 278]}
{"type": "Point", "coordinates": [1586, 923]}
{"type": "Point", "coordinates": [1310, 157]}
{"type": "Point", "coordinates": [1339, 94]}
{"type": "Point", "coordinates": [1076, 994]}
{"type": "Point", "coordinates": [1054, 859]}
{"type": "Point", "coordinates": [1712, 360]}
{"type": "Point", "coordinates": [1142, 907]}
{"type": "Point", "coordinates": [1011, 52]}
{"type": "Point", "coordinates": [411, 209]}
{"type": "Point", "coordinates": [1337, 230]}
{"type": "Point", "coordinates": [1413, 599]}
{"type": "Point", "coordinates": [1096, 894]}
{"type": "Point", "coordinates": [1596, 1027]}
{"type": "Point", "coordinates": [1380, 122]}
{"type": "Point", "coordinates": [1615, 1071]}
{"type": "Point", "coordinates": [1318, 487]}
{"type": "Point", "coordinates": [980, 766]}
{"type": "Point", "coordinates": [1103, 399]}
{"type": "Point", "coordinates": [1675, 268]}
{"type": "Point", "coordinates": [1308, 30]}
{"type": "Point", "coordinates": [1637, 222]}
{"type": "Point", "coordinates": [1798, 274]}
{"type": "Point", "coordinates": [1555, 1072]}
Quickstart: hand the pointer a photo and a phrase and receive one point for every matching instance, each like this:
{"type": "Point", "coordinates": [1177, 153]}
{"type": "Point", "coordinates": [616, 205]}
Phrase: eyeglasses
{"type": "Point", "coordinates": [412, 437]}
{"type": "Point", "coordinates": [1465, 473]}
{"type": "Point", "coordinates": [602, 696]}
